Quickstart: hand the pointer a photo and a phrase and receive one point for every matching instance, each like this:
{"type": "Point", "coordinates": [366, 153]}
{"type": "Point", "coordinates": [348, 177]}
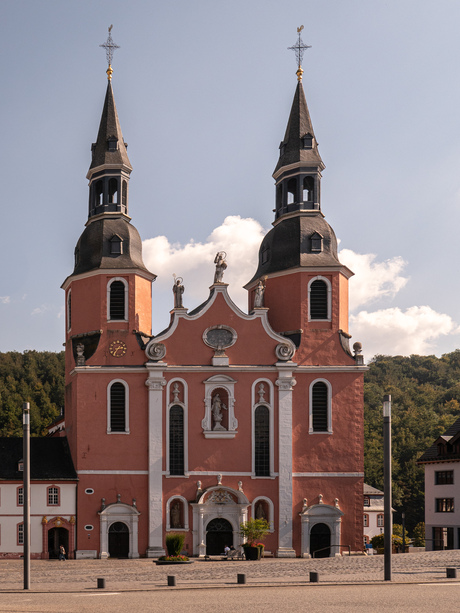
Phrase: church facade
{"type": "Point", "coordinates": [225, 415]}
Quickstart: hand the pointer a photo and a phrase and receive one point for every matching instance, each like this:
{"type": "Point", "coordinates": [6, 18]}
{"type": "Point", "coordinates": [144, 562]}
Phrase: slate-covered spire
{"type": "Point", "coordinates": [298, 172]}
{"type": "Point", "coordinates": [104, 151]}
{"type": "Point", "coordinates": [299, 143]}
{"type": "Point", "coordinates": [110, 166]}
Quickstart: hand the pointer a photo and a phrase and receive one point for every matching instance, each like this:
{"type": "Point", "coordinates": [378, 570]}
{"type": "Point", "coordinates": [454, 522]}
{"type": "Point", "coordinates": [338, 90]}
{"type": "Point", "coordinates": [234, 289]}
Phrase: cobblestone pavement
{"type": "Point", "coordinates": [143, 574]}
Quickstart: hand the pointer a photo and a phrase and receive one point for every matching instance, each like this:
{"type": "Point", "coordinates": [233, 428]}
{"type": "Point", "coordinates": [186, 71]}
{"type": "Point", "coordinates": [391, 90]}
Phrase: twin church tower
{"type": "Point", "coordinates": [225, 415]}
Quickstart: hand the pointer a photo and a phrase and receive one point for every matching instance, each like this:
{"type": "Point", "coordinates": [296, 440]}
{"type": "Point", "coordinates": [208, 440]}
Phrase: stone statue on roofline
{"type": "Point", "coordinates": [221, 265]}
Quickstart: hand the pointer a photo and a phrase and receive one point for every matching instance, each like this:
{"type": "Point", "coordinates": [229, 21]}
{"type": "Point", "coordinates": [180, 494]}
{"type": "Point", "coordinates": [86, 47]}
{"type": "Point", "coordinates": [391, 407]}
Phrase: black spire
{"type": "Point", "coordinates": [110, 166]}
{"type": "Point", "coordinates": [298, 172]}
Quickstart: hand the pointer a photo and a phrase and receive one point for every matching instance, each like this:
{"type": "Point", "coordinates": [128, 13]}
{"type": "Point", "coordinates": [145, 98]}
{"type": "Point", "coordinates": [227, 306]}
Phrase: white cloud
{"type": "Point", "coordinates": [239, 238]}
{"type": "Point", "coordinates": [41, 309]}
{"type": "Point", "coordinates": [396, 332]}
{"type": "Point", "coordinates": [5, 299]}
{"type": "Point", "coordinates": [388, 331]}
{"type": "Point", "coordinates": [373, 280]}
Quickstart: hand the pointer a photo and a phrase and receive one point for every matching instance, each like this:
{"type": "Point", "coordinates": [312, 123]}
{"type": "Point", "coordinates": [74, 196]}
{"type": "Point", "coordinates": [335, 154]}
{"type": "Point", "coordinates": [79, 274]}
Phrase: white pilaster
{"type": "Point", "coordinates": [155, 383]}
{"type": "Point", "coordinates": [285, 384]}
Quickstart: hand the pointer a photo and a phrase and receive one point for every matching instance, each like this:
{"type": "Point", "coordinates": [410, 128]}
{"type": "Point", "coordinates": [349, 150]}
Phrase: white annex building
{"type": "Point", "coordinates": [442, 483]}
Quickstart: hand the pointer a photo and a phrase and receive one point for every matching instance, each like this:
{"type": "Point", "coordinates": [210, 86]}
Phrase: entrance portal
{"type": "Point", "coordinates": [320, 541]}
{"type": "Point", "coordinates": [219, 532]}
{"type": "Point", "coordinates": [118, 540]}
{"type": "Point", "coordinates": [56, 538]}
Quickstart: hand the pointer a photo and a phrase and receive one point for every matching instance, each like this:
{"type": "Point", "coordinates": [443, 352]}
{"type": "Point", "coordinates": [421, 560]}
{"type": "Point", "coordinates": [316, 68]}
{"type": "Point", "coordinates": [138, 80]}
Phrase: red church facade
{"type": "Point", "coordinates": [225, 415]}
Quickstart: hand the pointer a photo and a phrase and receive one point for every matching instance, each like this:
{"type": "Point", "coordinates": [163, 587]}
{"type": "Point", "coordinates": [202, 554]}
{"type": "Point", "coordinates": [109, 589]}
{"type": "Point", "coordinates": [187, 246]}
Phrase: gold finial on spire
{"type": "Point", "coordinates": [109, 47]}
{"type": "Point", "coordinates": [299, 49]}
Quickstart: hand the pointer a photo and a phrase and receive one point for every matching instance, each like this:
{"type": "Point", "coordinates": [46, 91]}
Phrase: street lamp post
{"type": "Point", "coordinates": [387, 519]}
{"type": "Point", "coordinates": [26, 491]}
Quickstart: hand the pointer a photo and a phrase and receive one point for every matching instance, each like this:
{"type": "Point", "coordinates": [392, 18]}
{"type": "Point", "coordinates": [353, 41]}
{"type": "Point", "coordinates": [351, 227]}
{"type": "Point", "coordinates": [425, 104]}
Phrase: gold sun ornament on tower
{"type": "Point", "coordinates": [299, 49]}
{"type": "Point", "coordinates": [109, 47]}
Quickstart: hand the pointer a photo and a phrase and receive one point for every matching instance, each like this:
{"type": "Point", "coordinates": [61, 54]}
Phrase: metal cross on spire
{"type": "Point", "coordinates": [109, 47]}
{"type": "Point", "coordinates": [299, 49]}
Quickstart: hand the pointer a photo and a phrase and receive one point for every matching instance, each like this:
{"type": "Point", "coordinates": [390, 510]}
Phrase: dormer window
{"type": "Point", "coordinates": [307, 140]}
{"type": "Point", "coordinates": [116, 245]}
{"type": "Point", "coordinates": [21, 466]}
{"type": "Point", "coordinates": [282, 148]}
{"type": "Point", "coordinates": [112, 143]}
{"type": "Point", "coordinates": [316, 242]}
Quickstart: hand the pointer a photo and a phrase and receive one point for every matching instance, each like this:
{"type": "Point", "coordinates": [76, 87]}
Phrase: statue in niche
{"type": "Point", "coordinates": [217, 415]}
{"type": "Point", "coordinates": [178, 290]}
{"type": "Point", "coordinates": [259, 293]}
{"type": "Point", "coordinates": [221, 265]}
{"type": "Point", "coordinates": [260, 511]}
{"type": "Point", "coordinates": [175, 515]}
{"type": "Point", "coordinates": [80, 354]}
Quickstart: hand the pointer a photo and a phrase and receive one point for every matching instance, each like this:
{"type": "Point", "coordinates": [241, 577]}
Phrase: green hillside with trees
{"type": "Point", "coordinates": [36, 377]}
{"type": "Point", "coordinates": [425, 394]}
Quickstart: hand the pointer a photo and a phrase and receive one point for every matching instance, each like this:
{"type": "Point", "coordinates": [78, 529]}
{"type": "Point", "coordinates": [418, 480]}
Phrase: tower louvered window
{"type": "Point", "coordinates": [319, 407]}
{"type": "Point", "coordinates": [262, 442]}
{"type": "Point", "coordinates": [176, 440]}
{"type": "Point", "coordinates": [318, 300]}
{"type": "Point", "coordinates": [117, 300]}
{"type": "Point", "coordinates": [117, 407]}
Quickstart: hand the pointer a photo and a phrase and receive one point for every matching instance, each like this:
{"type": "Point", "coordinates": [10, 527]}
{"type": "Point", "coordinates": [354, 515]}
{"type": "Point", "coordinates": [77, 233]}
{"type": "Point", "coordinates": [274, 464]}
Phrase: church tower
{"type": "Point", "coordinates": [306, 285]}
{"type": "Point", "coordinates": [108, 312]}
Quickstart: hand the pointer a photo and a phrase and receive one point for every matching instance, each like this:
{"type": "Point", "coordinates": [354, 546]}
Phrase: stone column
{"type": "Point", "coordinates": [201, 543]}
{"type": "Point", "coordinates": [285, 384]}
{"type": "Point", "coordinates": [155, 383]}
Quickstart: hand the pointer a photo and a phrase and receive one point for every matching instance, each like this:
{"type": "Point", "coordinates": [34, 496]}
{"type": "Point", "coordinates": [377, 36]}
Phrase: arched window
{"type": "Point", "coordinates": [318, 300]}
{"type": "Point", "coordinates": [262, 441]}
{"type": "Point", "coordinates": [118, 407]}
{"type": "Point", "coordinates": [320, 407]}
{"type": "Point", "coordinates": [113, 191]}
{"type": "Point", "coordinates": [117, 300]}
{"type": "Point", "coordinates": [291, 191]}
{"type": "Point", "coordinates": [124, 193]}
{"type": "Point", "coordinates": [99, 193]}
{"type": "Point", "coordinates": [69, 310]}
{"type": "Point", "coordinates": [308, 185]}
{"type": "Point", "coordinates": [176, 440]}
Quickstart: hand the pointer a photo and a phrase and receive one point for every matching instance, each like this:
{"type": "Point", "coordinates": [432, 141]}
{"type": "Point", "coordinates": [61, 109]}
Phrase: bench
{"type": "Point", "coordinates": [233, 554]}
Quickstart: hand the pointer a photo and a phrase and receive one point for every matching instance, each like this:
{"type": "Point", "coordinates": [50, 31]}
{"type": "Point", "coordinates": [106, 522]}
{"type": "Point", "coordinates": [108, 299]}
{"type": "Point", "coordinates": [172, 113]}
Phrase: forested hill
{"type": "Point", "coordinates": [425, 394]}
{"type": "Point", "coordinates": [36, 377]}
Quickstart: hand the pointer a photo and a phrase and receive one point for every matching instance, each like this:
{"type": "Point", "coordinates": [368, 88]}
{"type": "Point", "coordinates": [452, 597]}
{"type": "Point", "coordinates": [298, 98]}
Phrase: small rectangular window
{"type": "Point", "coordinates": [367, 502]}
{"type": "Point", "coordinates": [444, 477]}
{"type": "Point", "coordinates": [380, 521]}
{"type": "Point", "coordinates": [20, 534]}
{"type": "Point", "coordinates": [53, 496]}
{"type": "Point", "coordinates": [20, 496]}
{"type": "Point", "coordinates": [444, 505]}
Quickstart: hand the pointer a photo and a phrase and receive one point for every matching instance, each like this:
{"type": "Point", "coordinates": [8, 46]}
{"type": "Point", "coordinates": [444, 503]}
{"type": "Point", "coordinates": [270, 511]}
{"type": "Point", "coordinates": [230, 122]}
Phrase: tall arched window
{"type": "Point", "coordinates": [319, 407]}
{"type": "Point", "coordinates": [69, 310]}
{"type": "Point", "coordinates": [262, 441]}
{"type": "Point", "coordinates": [113, 191]}
{"type": "Point", "coordinates": [176, 440]}
{"type": "Point", "coordinates": [318, 300]}
{"type": "Point", "coordinates": [117, 408]}
{"type": "Point", "coordinates": [117, 300]}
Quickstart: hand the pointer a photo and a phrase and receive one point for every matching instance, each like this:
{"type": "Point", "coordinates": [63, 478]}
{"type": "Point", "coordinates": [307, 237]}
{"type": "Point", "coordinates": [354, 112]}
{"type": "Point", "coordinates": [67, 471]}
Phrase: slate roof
{"type": "Point", "coordinates": [93, 246]}
{"type": "Point", "coordinates": [109, 126]}
{"type": "Point", "coordinates": [288, 245]}
{"type": "Point", "coordinates": [50, 459]}
{"type": "Point", "coordinates": [368, 490]}
{"type": "Point", "coordinates": [299, 124]}
{"type": "Point", "coordinates": [431, 454]}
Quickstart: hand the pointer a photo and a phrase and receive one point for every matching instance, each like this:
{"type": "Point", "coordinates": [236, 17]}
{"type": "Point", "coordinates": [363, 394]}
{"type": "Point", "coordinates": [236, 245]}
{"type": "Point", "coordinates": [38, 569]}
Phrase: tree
{"type": "Point", "coordinates": [254, 530]}
{"type": "Point", "coordinates": [419, 535]}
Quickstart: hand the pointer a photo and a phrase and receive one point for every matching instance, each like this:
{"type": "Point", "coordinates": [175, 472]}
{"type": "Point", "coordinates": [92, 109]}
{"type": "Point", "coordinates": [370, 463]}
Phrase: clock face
{"type": "Point", "coordinates": [117, 349]}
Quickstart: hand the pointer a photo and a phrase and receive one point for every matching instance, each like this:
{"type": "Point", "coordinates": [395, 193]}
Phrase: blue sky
{"type": "Point", "coordinates": [203, 91]}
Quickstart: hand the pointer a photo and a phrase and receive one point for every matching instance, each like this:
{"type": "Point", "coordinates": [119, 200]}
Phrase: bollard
{"type": "Point", "coordinates": [451, 573]}
{"type": "Point", "coordinates": [172, 580]}
{"type": "Point", "coordinates": [241, 578]}
{"type": "Point", "coordinates": [314, 577]}
{"type": "Point", "coordinates": [100, 583]}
